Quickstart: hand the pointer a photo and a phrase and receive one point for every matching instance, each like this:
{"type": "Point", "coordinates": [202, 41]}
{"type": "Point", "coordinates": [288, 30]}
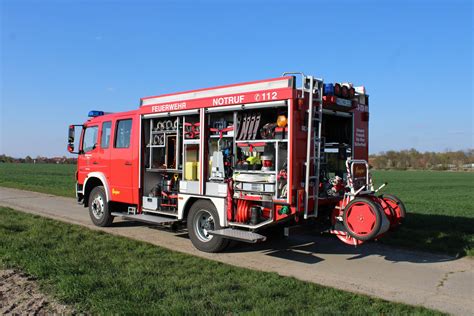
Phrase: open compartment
{"type": "Point", "coordinates": [163, 167]}
{"type": "Point", "coordinates": [337, 135]}
{"type": "Point", "coordinates": [191, 151]}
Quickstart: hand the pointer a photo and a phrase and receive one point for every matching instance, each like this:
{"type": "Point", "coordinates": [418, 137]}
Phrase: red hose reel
{"type": "Point", "coordinates": [367, 217]}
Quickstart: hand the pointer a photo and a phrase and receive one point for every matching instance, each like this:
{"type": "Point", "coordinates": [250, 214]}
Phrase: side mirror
{"type": "Point", "coordinates": [70, 148]}
{"type": "Point", "coordinates": [72, 138]}
{"type": "Point", "coordinates": [72, 134]}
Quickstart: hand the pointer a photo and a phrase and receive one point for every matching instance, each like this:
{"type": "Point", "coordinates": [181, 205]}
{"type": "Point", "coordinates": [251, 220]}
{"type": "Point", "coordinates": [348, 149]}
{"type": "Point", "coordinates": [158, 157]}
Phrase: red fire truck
{"type": "Point", "coordinates": [231, 161]}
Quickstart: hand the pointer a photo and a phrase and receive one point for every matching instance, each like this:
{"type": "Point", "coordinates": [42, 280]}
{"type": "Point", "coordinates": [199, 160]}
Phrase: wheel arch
{"type": "Point", "coordinates": [186, 202]}
{"type": "Point", "coordinates": [93, 180]}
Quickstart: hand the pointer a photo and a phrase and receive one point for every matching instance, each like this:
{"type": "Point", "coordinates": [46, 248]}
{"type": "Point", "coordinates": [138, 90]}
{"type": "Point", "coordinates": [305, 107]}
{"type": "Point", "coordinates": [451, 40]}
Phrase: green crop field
{"type": "Point", "coordinates": [440, 204]}
{"type": "Point", "coordinates": [440, 210]}
{"type": "Point", "coordinates": [98, 273]}
{"type": "Point", "coordinates": [46, 178]}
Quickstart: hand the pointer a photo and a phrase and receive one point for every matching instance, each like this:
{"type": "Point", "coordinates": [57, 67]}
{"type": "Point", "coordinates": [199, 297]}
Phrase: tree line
{"type": "Point", "coordinates": [38, 159]}
{"type": "Point", "coordinates": [400, 160]}
{"type": "Point", "coordinates": [413, 159]}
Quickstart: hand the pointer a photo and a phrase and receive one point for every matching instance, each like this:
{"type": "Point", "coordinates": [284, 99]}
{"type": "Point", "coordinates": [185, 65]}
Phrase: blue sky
{"type": "Point", "coordinates": [60, 59]}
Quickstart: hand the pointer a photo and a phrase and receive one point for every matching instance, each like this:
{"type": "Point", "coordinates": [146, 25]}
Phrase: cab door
{"type": "Point", "coordinates": [102, 157]}
{"type": "Point", "coordinates": [123, 160]}
{"type": "Point", "coordinates": [86, 161]}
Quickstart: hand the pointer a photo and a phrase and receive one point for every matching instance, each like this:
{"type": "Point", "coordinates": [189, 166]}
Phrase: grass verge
{"type": "Point", "coordinates": [100, 273]}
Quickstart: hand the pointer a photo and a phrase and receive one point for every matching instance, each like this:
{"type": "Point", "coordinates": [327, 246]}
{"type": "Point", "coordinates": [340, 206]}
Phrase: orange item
{"type": "Point", "coordinates": [282, 121]}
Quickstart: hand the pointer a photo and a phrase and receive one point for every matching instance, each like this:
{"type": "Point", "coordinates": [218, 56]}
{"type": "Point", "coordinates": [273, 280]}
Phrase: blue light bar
{"type": "Point", "coordinates": [96, 113]}
{"type": "Point", "coordinates": [328, 89]}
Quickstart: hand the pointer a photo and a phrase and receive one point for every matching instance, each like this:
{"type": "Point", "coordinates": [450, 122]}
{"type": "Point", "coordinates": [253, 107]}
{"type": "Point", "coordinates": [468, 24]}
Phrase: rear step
{"type": "Point", "coordinates": [151, 219]}
{"type": "Point", "coordinates": [241, 235]}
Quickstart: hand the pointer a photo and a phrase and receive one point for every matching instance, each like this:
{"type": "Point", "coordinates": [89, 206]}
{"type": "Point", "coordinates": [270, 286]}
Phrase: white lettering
{"type": "Point", "coordinates": [169, 107]}
{"type": "Point", "coordinates": [235, 99]}
{"type": "Point", "coordinates": [360, 139]}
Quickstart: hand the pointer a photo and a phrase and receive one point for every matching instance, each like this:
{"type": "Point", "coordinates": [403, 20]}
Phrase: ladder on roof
{"type": "Point", "coordinates": [314, 144]}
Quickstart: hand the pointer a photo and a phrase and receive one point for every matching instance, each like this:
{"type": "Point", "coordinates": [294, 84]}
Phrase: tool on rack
{"type": "Point", "coordinates": [159, 140]}
{"type": "Point", "coordinates": [221, 161]}
{"type": "Point", "coordinates": [160, 126]}
{"type": "Point", "coordinates": [282, 178]}
{"type": "Point", "coordinates": [191, 130]}
{"type": "Point", "coordinates": [248, 126]}
{"type": "Point", "coordinates": [268, 131]}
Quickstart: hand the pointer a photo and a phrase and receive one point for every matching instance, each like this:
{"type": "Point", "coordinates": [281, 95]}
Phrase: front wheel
{"type": "Point", "coordinates": [99, 208]}
{"type": "Point", "coordinates": [202, 218]}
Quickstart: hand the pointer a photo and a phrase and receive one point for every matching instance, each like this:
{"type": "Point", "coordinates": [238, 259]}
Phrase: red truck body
{"type": "Point", "coordinates": [184, 153]}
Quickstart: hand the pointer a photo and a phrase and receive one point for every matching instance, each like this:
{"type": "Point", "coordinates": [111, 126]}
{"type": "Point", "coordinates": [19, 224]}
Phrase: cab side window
{"type": "Point", "coordinates": [122, 133]}
{"type": "Point", "coordinates": [90, 138]}
{"type": "Point", "coordinates": [105, 140]}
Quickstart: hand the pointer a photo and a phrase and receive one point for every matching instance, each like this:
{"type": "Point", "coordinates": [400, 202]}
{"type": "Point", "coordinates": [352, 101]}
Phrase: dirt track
{"type": "Point", "coordinates": [20, 295]}
{"type": "Point", "coordinates": [434, 281]}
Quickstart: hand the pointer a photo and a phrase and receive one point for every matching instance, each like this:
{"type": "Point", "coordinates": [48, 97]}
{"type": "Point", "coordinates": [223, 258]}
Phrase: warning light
{"type": "Point", "coordinates": [95, 113]}
{"type": "Point", "coordinates": [328, 89]}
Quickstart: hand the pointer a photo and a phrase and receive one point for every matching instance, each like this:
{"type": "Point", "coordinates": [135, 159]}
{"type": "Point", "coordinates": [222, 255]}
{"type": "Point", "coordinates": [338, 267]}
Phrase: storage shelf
{"type": "Point", "coordinates": [191, 141]}
{"type": "Point", "coordinates": [262, 141]}
{"type": "Point", "coordinates": [254, 171]}
{"type": "Point", "coordinates": [255, 192]}
{"type": "Point", "coordinates": [165, 132]}
{"type": "Point", "coordinates": [155, 146]}
{"type": "Point", "coordinates": [223, 136]}
{"type": "Point", "coordinates": [256, 182]}
{"type": "Point", "coordinates": [164, 170]}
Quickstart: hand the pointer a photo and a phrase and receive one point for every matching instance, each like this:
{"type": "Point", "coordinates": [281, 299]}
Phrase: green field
{"type": "Point", "coordinates": [55, 179]}
{"type": "Point", "coordinates": [98, 273]}
{"type": "Point", "coordinates": [440, 204]}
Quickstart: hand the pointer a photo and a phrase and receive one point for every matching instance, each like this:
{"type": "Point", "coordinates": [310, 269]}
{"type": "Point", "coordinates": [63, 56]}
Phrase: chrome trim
{"type": "Point", "coordinates": [233, 224]}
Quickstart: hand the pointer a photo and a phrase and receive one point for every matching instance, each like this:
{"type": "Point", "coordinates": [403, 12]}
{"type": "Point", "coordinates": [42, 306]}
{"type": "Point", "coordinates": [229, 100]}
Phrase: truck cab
{"type": "Point", "coordinates": [108, 155]}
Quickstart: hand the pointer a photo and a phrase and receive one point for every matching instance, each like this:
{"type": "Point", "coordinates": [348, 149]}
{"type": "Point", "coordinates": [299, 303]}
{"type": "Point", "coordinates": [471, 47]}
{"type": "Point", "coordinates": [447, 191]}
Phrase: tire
{"type": "Point", "coordinates": [397, 206]}
{"type": "Point", "coordinates": [203, 213]}
{"type": "Point", "coordinates": [99, 208]}
{"type": "Point", "coordinates": [362, 219]}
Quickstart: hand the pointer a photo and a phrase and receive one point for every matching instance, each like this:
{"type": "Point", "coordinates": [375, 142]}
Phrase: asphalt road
{"type": "Point", "coordinates": [434, 281]}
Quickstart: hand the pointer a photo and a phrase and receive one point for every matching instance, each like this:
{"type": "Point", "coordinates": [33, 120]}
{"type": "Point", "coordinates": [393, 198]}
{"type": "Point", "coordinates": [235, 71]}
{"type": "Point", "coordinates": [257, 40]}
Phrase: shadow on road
{"type": "Point", "coordinates": [310, 248]}
{"type": "Point", "coordinates": [449, 234]}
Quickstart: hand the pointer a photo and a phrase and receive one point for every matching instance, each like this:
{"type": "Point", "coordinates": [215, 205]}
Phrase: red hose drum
{"type": "Point", "coordinates": [397, 205]}
{"type": "Point", "coordinates": [362, 218]}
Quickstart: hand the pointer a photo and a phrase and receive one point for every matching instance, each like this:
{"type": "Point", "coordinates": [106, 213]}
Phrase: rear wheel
{"type": "Point", "coordinates": [362, 219]}
{"type": "Point", "coordinates": [99, 208]}
{"type": "Point", "coordinates": [202, 218]}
